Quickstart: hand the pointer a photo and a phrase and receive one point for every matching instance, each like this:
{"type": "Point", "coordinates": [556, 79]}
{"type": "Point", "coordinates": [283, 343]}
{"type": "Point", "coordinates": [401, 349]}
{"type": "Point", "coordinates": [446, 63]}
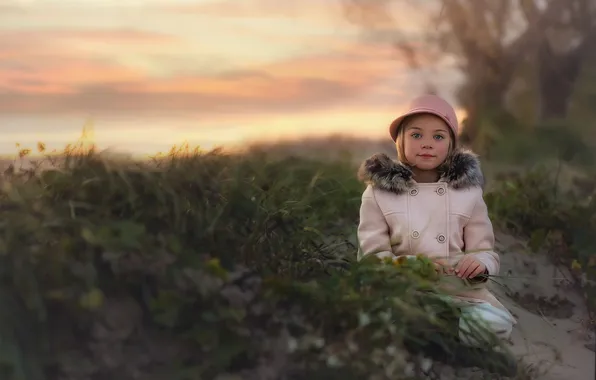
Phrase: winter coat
{"type": "Point", "coordinates": [399, 216]}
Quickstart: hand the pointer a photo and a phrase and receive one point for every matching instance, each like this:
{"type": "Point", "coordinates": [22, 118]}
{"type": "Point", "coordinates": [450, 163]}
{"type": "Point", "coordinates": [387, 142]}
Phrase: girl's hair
{"type": "Point", "coordinates": [399, 144]}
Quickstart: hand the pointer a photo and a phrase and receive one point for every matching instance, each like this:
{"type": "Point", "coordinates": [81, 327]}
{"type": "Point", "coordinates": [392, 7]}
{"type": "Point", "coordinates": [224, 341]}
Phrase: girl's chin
{"type": "Point", "coordinates": [424, 165]}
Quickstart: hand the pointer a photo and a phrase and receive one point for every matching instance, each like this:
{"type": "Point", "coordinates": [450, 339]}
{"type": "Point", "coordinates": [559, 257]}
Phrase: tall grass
{"type": "Point", "coordinates": [204, 265]}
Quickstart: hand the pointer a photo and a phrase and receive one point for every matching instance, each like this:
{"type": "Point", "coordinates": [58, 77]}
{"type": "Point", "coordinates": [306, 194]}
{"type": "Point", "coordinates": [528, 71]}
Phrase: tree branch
{"type": "Point", "coordinates": [501, 16]}
{"type": "Point", "coordinates": [537, 23]}
{"type": "Point", "coordinates": [530, 11]}
{"type": "Point", "coordinates": [585, 17]}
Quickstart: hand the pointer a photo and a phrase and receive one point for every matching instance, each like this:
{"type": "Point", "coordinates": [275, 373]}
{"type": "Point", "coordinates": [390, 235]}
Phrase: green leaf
{"type": "Point", "coordinates": [537, 239]}
{"type": "Point", "coordinates": [88, 236]}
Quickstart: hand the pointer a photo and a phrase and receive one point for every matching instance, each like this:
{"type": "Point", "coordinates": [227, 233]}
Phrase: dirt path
{"type": "Point", "coordinates": [551, 330]}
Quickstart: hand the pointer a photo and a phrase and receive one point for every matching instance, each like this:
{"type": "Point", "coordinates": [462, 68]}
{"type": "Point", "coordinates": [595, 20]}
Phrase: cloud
{"type": "Point", "coordinates": [66, 83]}
{"type": "Point", "coordinates": [88, 4]}
{"type": "Point", "coordinates": [312, 9]}
{"type": "Point", "coordinates": [10, 8]}
{"type": "Point", "coordinates": [60, 75]}
{"type": "Point", "coordinates": [113, 35]}
{"type": "Point", "coordinates": [50, 61]}
{"type": "Point", "coordinates": [53, 36]}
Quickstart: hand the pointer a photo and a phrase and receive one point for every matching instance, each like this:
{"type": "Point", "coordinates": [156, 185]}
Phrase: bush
{"type": "Point", "coordinates": [560, 222]}
{"type": "Point", "coordinates": [201, 266]}
{"type": "Point", "coordinates": [523, 145]}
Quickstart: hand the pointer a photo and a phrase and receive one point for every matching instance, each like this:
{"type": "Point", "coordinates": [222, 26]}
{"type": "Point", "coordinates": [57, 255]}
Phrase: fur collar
{"type": "Point", "coordinates": [384, 173]}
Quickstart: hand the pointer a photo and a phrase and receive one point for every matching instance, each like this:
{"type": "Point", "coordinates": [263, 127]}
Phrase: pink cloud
{"type": "Point", "coordinates": [261, 8]}
{"type": "Point", "coordinates": [57, 36]}
{"type": "Point", "coordinates": [43, 76]}
{"type": "Point", "coordinates": [44, 61]}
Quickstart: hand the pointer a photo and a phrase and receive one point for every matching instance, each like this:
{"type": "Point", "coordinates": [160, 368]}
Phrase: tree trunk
{"type": "Point", "coordinates": [483, 97]}
{"type": "Point", "coordinates": [480, 103]}
{"type": "Point", "coordinates": [557, 74]}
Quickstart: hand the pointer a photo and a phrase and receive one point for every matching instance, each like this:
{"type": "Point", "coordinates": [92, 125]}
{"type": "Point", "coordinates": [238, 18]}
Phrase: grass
{"type": "Point", "coordinates": [205, 265]}
{"type": "Point", "coordinates": [558, 218]}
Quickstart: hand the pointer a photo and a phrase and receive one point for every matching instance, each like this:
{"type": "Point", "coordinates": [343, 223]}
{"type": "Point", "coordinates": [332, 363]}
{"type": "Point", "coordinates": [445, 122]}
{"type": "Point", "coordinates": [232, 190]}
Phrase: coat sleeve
{"type": "Point", "coordinates": [479, 238]}
{"type": "Point", "coordinates": [373, 231]}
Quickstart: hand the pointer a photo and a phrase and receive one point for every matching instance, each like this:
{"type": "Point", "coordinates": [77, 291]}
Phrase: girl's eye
{"type": "Point", "coordinates": [416, 135]}
{"type": "Point", "coordinates": [439, 137]}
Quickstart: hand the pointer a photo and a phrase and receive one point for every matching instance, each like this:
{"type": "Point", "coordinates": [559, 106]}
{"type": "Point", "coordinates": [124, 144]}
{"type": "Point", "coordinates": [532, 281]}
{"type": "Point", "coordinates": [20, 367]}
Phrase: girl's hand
{"type": "Point", "coordinates": [469, 267]}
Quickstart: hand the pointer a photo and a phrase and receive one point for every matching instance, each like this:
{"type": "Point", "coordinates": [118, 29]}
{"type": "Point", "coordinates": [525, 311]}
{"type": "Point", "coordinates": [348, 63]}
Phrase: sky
{"type": "Point", "coordinates": [148, 74]}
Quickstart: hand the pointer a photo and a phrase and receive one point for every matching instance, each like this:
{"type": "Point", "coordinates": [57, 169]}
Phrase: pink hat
{"type": "Point", "coordinates": [427, 104]}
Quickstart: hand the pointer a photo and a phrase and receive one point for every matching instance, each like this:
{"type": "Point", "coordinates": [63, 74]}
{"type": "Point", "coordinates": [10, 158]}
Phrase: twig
{"type": "Point", "coordinates": [489, 276]}
{"type": "Point", "coordinates": [545, 319]}
{"type": "Point", "coordinates": [558, 173]}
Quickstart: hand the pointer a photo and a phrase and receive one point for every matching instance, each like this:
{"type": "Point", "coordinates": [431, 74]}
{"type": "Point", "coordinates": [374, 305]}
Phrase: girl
{"type": "Point", "coordinates": [431, 202]}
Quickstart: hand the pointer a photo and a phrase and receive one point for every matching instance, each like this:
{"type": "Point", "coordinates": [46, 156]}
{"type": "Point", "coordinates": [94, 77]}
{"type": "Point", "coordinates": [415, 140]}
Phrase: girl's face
{"type": "Point", "coordinates": [426, 141]}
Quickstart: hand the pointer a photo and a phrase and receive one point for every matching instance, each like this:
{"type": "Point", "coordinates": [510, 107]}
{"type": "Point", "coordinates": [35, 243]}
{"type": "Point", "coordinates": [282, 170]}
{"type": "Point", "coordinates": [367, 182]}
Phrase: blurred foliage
{"type": "Point", "coordinates": [558, 221]}
{"type": "Point", "coordinates": [555, 141]}
{"type": "Point", "coordinates": [205, 266]}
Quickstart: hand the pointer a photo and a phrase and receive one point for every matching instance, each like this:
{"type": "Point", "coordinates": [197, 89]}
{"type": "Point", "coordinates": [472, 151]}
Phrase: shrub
{"type": "Point", "coordinates": [201, 266]}
{"type": "Point", "coordinates": [559, 222]}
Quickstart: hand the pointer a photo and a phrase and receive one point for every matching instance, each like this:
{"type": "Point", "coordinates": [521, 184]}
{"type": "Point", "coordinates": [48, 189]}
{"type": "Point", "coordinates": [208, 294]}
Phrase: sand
{"type": "Point", "coordinates": [553, 336]}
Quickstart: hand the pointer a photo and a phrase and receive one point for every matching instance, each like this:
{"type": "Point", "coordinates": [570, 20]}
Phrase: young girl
{"type": "Point", "coordinates": [431, 202]}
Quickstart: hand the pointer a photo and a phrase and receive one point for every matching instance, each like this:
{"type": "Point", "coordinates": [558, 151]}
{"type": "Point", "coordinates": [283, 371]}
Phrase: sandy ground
{"type": "Point", "coordinates": [551, 335]}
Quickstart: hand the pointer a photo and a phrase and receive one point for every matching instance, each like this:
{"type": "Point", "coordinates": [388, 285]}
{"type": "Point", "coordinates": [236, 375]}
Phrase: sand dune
{"type": "Point", "coordinates": [552, 332]}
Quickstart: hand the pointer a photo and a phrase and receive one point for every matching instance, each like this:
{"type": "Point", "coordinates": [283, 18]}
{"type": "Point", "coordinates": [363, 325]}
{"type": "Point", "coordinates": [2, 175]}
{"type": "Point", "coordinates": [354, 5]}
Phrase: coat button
{"type": "Point", "coordinates": [415, 234]}
{"type": "Point", "coordinates": [414, 192]}
{"type": "Point", "coordinates": [441, 238]}
{"type": "Point", "coordinates": [441, 190]}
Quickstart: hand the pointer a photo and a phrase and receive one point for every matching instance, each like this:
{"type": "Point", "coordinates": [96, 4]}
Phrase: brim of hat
{"type": "Point", "coordinates": [394, 126]}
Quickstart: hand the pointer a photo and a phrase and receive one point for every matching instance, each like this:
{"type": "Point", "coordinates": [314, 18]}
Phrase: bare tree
{"type": "Point", "coordinates": [489, 40]}
{"type": "Point", "coordinates": [561, 49]}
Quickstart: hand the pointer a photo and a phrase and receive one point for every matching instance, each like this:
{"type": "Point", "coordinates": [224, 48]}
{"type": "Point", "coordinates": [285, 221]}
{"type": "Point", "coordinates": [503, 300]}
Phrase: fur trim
{"type": "Point", "coordinates": [384, 173]}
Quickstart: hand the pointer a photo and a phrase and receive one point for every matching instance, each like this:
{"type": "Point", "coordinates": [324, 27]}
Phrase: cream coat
{"type": "Point", "coordinates": [399, 216]}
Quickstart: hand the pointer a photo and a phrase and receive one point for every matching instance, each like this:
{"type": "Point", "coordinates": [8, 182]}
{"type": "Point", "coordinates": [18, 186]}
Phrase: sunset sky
{"type": "Point", "coordinates": [152, 73]}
